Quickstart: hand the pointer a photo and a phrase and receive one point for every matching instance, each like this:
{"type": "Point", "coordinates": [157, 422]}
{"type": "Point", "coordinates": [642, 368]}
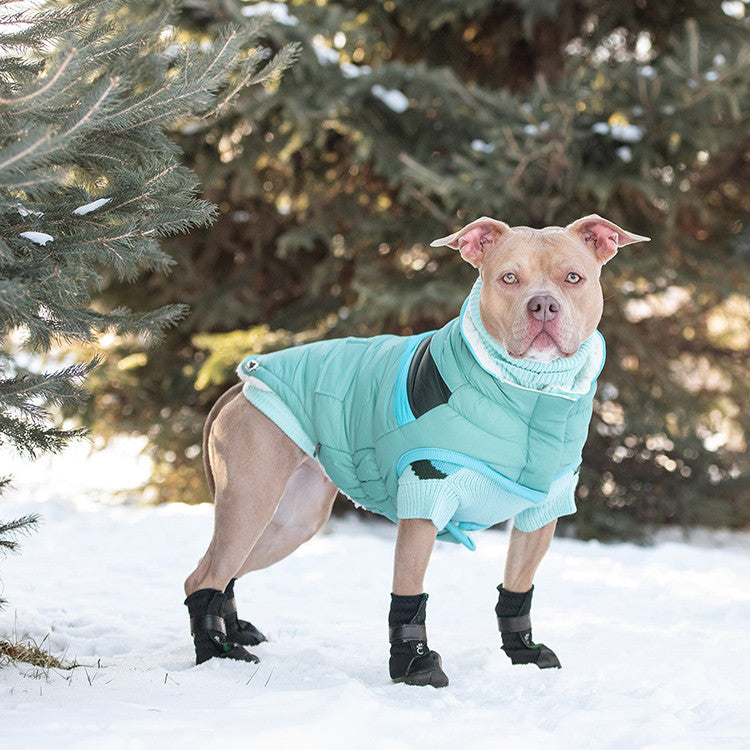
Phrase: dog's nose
{"type": "Point", "coordinates": [543, 307]}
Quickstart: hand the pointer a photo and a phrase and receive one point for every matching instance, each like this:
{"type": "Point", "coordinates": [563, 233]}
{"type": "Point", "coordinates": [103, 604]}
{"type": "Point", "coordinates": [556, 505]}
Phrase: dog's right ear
{"type": "Point", "coordinates": [474, 239]}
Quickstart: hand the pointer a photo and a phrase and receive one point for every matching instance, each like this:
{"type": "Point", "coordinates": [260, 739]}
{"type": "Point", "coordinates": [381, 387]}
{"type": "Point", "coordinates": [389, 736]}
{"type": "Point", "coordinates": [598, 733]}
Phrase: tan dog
{"type": "Point", "coordinates": [540, 300]}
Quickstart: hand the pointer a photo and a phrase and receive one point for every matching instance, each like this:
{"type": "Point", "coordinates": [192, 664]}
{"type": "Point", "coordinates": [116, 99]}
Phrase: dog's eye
{"type": "Point", "coordinates": [510, 278]}
{"type": "Point", "coordinates": [573, 278]}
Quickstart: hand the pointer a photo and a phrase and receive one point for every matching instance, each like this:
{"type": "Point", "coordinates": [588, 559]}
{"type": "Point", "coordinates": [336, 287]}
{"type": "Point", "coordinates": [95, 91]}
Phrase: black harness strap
{"type": "Point", "coordinates": [425, 387]}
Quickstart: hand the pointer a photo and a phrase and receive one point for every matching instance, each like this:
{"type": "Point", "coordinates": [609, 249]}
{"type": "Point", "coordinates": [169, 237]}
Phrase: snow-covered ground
{"type": "Point", "coordinates": [653, 641]}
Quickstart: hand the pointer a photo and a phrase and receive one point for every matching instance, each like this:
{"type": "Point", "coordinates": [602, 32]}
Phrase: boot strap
{"type": "Point", "coordinates": [514, 624]}
{"type": "Point", "coordinates": [207, 622]}
{"type": "Point", "coordinates": [408, 632]}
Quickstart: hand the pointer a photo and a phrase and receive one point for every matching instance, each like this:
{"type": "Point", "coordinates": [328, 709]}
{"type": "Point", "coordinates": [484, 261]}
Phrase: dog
{"type": "Point", "coordinates": [445, 433]}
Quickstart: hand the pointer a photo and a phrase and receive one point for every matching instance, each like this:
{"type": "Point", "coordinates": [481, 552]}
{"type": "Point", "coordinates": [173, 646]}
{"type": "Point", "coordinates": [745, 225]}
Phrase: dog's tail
{"type": "Point", "coordinates": [215, 409]}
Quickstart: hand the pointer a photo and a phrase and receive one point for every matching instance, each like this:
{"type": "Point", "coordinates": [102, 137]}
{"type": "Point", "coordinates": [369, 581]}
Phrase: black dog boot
{"type": "Point", "coordinates": [514, 620]}
{"type": "Point", "coordinates": [209, 630]}
{"type": "Point", "coordinates": [411, 660]}
{"type": "Point", "coordinates": [241, 632]}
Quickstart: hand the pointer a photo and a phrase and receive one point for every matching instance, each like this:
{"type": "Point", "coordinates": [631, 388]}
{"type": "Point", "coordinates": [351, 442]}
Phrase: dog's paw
{"type": "Point", "coordinates": [547, 658]}
{"type": "Point", "coordinates": [535, 653]}
{"type": "Point", "coordinates": [425, 670]}
{"type": "Point", "coordinates": [245, 634]}
{"type": "Point", "coordinates": [212, 645]}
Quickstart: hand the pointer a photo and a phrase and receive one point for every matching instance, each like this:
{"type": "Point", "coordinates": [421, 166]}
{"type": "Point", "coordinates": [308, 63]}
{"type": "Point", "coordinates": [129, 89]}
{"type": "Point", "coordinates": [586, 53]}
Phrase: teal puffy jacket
{"type": "Point", "coordinates": [367, 408]}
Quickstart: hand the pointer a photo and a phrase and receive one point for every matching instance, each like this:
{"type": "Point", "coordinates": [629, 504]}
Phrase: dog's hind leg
{"type": "Point", "coordinates": [223, 400]}
{"type": "Point", "coordinates": [250, 460]}
{"type": "Point", "coordinates": [304, 507]}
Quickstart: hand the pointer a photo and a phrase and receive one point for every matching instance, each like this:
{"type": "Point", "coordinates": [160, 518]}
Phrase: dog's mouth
{"type": "Point", "coordinates": [543, 346]}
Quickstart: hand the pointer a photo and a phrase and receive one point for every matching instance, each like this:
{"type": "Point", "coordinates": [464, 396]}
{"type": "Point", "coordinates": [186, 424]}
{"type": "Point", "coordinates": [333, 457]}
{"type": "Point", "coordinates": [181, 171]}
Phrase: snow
{"type": "Point", "coordinates": [278, 11]}
{"type": "Point", "coordinates": [325, 54]}
{"type": "Point", "coordinates": [482, 146]}
{"type": "Point", "coordinates": [536, 129]}
{"type": "Point", "coordinates": [621, 132]}
{"type": "Point", "coordinates": [625, 153]}
{"type": "Point", "coordinates": [628, 133]}
{"type": "Point", "coordinates": [39, 238]}
{"type": "Point", "coordinates": [392, 98]}
{"type": "Point", "coordinates": [350, 70]}
{"type": "Point", "coordinates": [27, 211]}
{"type": "Point", "coordinates": [653, 640]}
{"type": "Point", "coordinates": [328, 56]}
{"type": "Point", "coordinates": [89, 207]}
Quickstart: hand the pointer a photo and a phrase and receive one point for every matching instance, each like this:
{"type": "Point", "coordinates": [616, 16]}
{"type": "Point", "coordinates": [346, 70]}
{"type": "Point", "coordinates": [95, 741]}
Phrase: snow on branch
{"type": "Point", "coordinates": [89, 207]}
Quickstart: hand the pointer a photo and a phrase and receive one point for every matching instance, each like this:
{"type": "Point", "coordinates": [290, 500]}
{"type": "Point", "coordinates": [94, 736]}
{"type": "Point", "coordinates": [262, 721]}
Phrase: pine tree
{"type": "Point", "coordinates": [11, 530]}
{"type": "Point", "coordinates": [90, 184]}
{"type": "Point", "coordinates": [401, 121]}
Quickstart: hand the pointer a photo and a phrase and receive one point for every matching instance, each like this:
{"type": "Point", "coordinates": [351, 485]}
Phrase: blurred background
{"type": "Point", "coordinates": [402, 120]}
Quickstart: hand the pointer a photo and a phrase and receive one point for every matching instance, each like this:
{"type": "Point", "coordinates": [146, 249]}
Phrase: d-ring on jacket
{"type": "Point", "coordinates": [368, 409]}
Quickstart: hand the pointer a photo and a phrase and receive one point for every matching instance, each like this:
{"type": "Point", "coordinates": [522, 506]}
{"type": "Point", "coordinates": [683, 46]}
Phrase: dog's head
{"type": "Point", "coordinates": [541, 297]}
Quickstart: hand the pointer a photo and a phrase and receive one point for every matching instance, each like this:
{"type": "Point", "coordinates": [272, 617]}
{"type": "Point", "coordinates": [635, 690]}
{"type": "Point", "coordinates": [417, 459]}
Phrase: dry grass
{"type": "Point", "coordinates": [30, 652]}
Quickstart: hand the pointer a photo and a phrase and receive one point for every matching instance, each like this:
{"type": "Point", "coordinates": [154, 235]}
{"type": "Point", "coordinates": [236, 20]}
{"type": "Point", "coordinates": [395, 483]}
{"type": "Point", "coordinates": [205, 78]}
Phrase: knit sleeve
{"type": "Point", "coordinates": [560, 502]}
{"type": "Point", "coordinates": [424, 493]}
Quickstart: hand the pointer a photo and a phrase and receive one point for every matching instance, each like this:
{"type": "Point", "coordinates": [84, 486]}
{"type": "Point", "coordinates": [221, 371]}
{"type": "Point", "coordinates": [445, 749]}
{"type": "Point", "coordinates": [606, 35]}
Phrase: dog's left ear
{"type": "Point", "coordinates": [473, 240]}
{"type": "Point", "coordinates": [603, 236]}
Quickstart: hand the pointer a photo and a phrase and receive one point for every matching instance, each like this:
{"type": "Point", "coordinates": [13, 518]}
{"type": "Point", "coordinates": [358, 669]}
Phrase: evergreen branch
{"type": "Point", "coordinates": [199, 91]}
{"type": "Point", "coordinates": [104, 157]}
{"type": "Point", "coordinates": [164, 114]}
{"type": "Point", "coordinates": [11, 529]}
{"type": "Point", "coordinates": [282, 60]}
{"type": "Point", "coordinates": [32, 440]}
{"type": "Point", "coordinates": [145, 194]}
{"type": "Point", "coordinates": [228, 39]}
{"type": "Point", "coordinates": [151, 324]}
{"type": "Point", "coordinates": [158, 176]}
{"type": "Point", "coordinates": [85, 122]}
{"type": "Point", "coordinates": [54, 387]}
{"type": "Point", "coordinates": [204, 215]}
{"type": "Point", "coordinates": [42, 89]}
{"type": "Point", "coordinates": [28, 150]}
{"type": "Point", "coordinates": [23, 181]}
{"type": "Point", "coordinates": [60, 139]}
{"type": "Point", "coordinates": [113, 84]}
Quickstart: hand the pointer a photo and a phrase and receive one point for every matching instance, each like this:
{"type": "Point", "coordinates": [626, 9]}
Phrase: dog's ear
{"type": "Point", "coordinates": [474, 239]}
{"type": "Point", "coordinates": [603, 236]}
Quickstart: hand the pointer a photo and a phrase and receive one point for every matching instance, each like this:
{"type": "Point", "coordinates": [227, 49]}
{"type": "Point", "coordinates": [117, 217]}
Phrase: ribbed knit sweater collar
{"type": "Point", "coordinates": [565, 375]}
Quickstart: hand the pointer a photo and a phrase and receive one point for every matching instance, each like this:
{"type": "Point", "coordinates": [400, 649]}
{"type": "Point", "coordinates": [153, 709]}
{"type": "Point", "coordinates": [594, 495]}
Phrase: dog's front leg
{"type": "Point", "coordinates": [411, 660]}
{"type": "Point", "coordinates": [414, 543]}
{"type": "Point", "coordinates": [525, 552]}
